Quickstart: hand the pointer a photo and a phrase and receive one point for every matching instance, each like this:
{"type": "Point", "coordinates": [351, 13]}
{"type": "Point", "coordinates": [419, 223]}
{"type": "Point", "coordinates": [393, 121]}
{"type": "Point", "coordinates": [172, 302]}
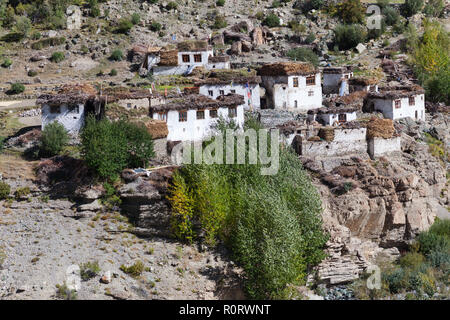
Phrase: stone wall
{"type": "Point", "coordinates": [377, 147]}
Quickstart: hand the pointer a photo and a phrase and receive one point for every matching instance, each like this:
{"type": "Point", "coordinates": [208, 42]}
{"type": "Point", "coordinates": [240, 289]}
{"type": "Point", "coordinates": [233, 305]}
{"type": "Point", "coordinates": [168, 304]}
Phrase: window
{"type": "Point", "coordinates": [233, 91]}
{"type": "Point", "coordinates": [347, 76]}
{"type": "Point", "coordinates": [74, 109]}
{"type": "Point", "coordinates": [182, 116]}
{"type": "Point", "coordinates": [186, 58]}
{"type": "Point", "coordinates": [162, 116]}
{"type": "Point", "coordinates": [197, 58]}
{"type": "Point", "coordinates": [200, 114]}
{"type": "Point", "coordinates": [55, 109]}
{"type": "Point", "coordinates": [295, 104]}
{"type": "Point", "coordinates": [129, 105]}
{"type": "Point", "coordinates": [295, 82]}
{"type": "Point", "coordinates": [222, 92]}
{"type": "Point", "coordinates": [232, 112]}
{"type": "Point", "coordinates": [412, 101]}
{"type": "Point", "coordinates": [213, 113]}
{"type": "Point", "coordinates": [342, 117]}
{"type": "Point", "coordinates": [416, 114]}
{"type": "Point", "coordinates": [210, 92]}
{"type": "Point", "coordinates": [311, 80]}
{"type": "Point", "coordinates": [397, 104]}
{"type": "Point", "coordinates": [310, 93]}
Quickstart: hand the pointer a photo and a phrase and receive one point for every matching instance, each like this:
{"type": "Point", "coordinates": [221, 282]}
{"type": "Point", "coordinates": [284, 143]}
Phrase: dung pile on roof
{"type": "Point", "coordinates": [363, 81]}
{"type": "Point", "coordinates": [70, 94]}
{"type": "Point", "coordinates": [193, 45]}
{"type": "Point", "coordinates": [157, 128]}
{"type": "Point", "coordinates": [127, 93]}
{"type": "Point", "coordinates": [337, 70]}
{"type": "Point", "coordinates": [80, 88]}
{"type": "Point", "coordinates": [228, 76]}
{"type": "Point", "coordinates": [287, 69]}
{"type": "Point", "coordinates": [198, 101]}
{"type": "Point", "coordinates": [397, 92]}
{"type": "Point", "coordinates": [380, 128]}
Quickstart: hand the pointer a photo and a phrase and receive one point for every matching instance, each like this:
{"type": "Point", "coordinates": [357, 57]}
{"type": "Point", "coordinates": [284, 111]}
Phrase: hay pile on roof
{"type": "Point", "coordinates": [168, 58]}
{"type": "Point", "coordinates": [192, 45]}
{"type": "Point", "coordinates": [326, 133]}
{"type": "Point", "coordinates": [191, 90]}
{"type": "Point", "coordinates": [217, 59]}
{"type": "Point", "coordinates": [363, 81]}
{"type": "Point", "coordinates": [154, 49]}
{"type": "Point", "coordinates": [397, 92]}
{"type": "Point", "coordinates": [126, 93]}
{"type": "Point", "coordinates": [70, 94]}
{"type": "Point", "coordinates": [380, 128]}
{"type": "Point", "coordinates": [337, 70]}
{"type": "Point", "coordinates": [80, 88]}
{"type": "Point", "coordinates": [287, 69]}
{"type": "Point", "coordinates": [157, 128]}
{"type": "Point", "coordinates": [198, 101]}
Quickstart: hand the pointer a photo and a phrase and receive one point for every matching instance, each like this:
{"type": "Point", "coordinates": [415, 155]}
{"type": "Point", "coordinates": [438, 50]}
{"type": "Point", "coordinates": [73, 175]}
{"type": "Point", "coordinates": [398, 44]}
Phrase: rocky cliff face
{"type": "Point", "coordinates": [374, 208]}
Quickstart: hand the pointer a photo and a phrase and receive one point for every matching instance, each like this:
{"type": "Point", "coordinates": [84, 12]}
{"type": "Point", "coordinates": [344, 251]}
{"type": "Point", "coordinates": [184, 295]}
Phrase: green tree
{"type": "Point", "coordinates": [124, 26]}
{"type": "Point", "coordinates": [5, 190]}
{"type": "Point", "coordinates": [391, 16]}
{"type": "Point", "coordinates": [23, 26]}
{"type": "Point", "coordinates": [116, 55]}
{"type": "Point", "coordinates": [53, 139]}
{"type": "Point", "coordinates": [16, 88]}
{"type": "Point", "coordinates": [303, 54]}
{"type": "Point", "coordinates": [57, 57]}
{"type": "Point", "coordinates": [272, 20]}
{"type": "Point", "coordinates": [348, 36]}
{"type": "Point", "coordinates": [135, 18]}
{"type": "Point", "coordinates": [351, 11]}
{"type": "Point", "coordinates": [411, 7]}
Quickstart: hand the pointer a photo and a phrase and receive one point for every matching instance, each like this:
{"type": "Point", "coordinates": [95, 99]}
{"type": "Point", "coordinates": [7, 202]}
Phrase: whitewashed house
{"type": "Point", "coordinates": [333, 77]}
{"type": "Point", "coordinates": [291, 86]}
{"type": "Point", "coordinates": [221, 84]}
{"type": "Point", "coordinates": [184, 58]}
{"type": "Point", "coordinates": [399, 102]}
{"type": "Point", "coordinates": [190, 117]}
{"type": "Point", "coordinates": [69, 106]}
{"type": "Point", "coordinates": [332, 116]}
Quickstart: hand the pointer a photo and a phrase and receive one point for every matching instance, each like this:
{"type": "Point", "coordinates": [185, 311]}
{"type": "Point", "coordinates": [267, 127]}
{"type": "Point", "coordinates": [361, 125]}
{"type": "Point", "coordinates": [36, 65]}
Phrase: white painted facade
{"type": "Point", "coordinates": [218, 65]}
{"type": "Point", "coordinates": [329, 119]}
{"type": "Point", "coordinates": [72, 118]}
{"type": "Point", "coordinates": [283, 95]}
{"type": "Point", "coordinates": [331, 81]}
{"type": "Point", "coordinates": [213, 91]}
{"type": "Point", "coordinates": [392, 109]}
{"type": "Point", "coordinates": [379, 146]}
{"type": "Point", "coordinates": [195, 129]}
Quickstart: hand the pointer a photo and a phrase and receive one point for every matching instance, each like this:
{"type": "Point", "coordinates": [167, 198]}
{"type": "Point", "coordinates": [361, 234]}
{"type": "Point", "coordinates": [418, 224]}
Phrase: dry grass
{"type": "Point", "coordinates": [13, 166]}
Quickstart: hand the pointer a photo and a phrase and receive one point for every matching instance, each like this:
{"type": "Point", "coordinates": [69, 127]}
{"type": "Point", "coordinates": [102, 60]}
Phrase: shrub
{"type": "Point", "coordinates": [32, 73]}
{"type": "Point", "coordinates": [351, 11]}
{"type": "Point", "coordinates": [109, 147]}
{"type": "Point", "coordinates": [36, 35]}
{"type": "Point", "coordinates": [260, 15]}
{"type": "Point", "coordinates": [220, 3]}
{"type": "Point", "coordinates": [348, 36]}
{"type": "Point", "coordinates": [124, 26]}
{"type": "Point", "coordinates": [23, 26]}
{"type": "Point", "coordinates": [412, 260]}
{"type": "Point", "coordinates": [135, 18]}
{"type": "Point", "coordinates": [95, 9]}
{"type": "Point", "coordinates": [377, 32]}
{"type": "Point", "coordinates": [391, 16]}
{"type": "Point", "coordinates": [272, 20]}
{"type": "Point", "coordinates": [22, 193]}
{"type": "Point", "coordinates": [220, 22]}
{"type": "Point", "coordinates": [53, 139]}
{"type": "Point", "coordinates": [116, 55]}
{"type": "Point", "coordinates": [7, 63]}
{"type": "Point", "coordinates": [312, 4]}
{"type": "Point", "coordinates": [172, 6]}
{"type": "Point", "coordinates": [276, 4]}
{"type": "Point", "coordinates": [155, 26]}
{"type": "Point", "coordinates": [113, 72]}
{"type": "Point", "coordinates": [383, 3]}
{"type": "Point", "coordinates": [12, 37]}
{"type": "Point", "coordinates": [411, 7]}
{"type": "Point", "coordinates": [2, 143]}
{"type": "Point", "coordinates": [5, 190]}
{"type": "Point", "coordinates": [303, 54]}
{"type": "Point", "coordinates": [310, 38]}
{"type": "Point", "coordinates": [57, 56]}
{"type": "Point", "coordinates": [134, 270]}
{"type": "Point", "coordinates": [89, 270]}
{"type": "Point", "coordinates": [434, 8]}
{"type": "Point", "coordinates": [396, 280]}
{"type": "Point", "coordinates": [16, 88]}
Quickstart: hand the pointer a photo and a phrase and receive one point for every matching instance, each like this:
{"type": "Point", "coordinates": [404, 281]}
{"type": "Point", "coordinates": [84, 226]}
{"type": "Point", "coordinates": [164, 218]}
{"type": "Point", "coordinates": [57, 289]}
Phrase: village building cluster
{"type": "Point", "coordinates": [330, 101]}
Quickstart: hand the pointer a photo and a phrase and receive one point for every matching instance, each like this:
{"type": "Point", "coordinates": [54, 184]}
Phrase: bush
{"type": "Point", "coordinates": [434, 8]}
{"type": "Point", "coordinates": [89, 270]}
{"type": "Point", "coordinates": [172, 6]}
{"type": "Point", "coordinates": [109, 147]}
{"type": "Point", "coordinates": [2, 143]}
{"type": "Point", "coordinates": [155, 26]}
{"type": "Point", "coordinates": [134, 270]}
{"type": "Point", "coordinates": [16, 88]}
{"type": "Point", "coordinates": [124, 26]}
{"type": "Point", "coordinates": [36, 35]}
{"type": "Point", "coordinates": [391, 16]}
{"type": "Point", "coordinates": [113, 72]}
{"type": "Point", "coordinates": [272, 20]}
{"type": "Point", "coordinates": [411, 7]}
{"type": "Point", "coordinates": [303, 54]}
{"type": "Point", "coordinates": [32, 73]}
{"type": "Point", "coordinates": [260, 15]}
{"type": "Point", "coordinates": [116, 55]}
{"type": "Point", "coordinates": [48, 42]}
{"type": "Point", "coordinates": [220, 3]}
{"type": "Point", "coordinates": [135, 18]}
{"type": "Point", "coordinates": [7, 63]}
{"type": "Point", "coordinates": [5, 190]}
{"type": "Point", "coordinates": [412, 260]}
{"type": "Point", "coordinates": [95, 9]}
{"type": "Point", "coordinates": [57, 56]}
{"type": "Point", "coordinates": [220, 22]}
{"type": "Point", "coordinates": [22, 193]}
{"type": "Point", "coordinates": [348, 36]}
{"type": "Point", "coordinates": [23, 26]}
{"type": "Point", "coordinates": [396, 280]}
{"type": "Point", "coordinates": [310, 38]}
{"type": "Point", "coordinates": [53, 139]}
{"type": "Point", "coordinates": [351, 11]}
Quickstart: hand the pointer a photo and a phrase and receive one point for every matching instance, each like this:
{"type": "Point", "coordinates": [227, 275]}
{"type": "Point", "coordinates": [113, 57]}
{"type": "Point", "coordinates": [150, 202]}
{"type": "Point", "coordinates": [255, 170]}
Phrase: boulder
{"type": "Point", "coordinates": [236, 48]}
{"type": "Point", "coordinates": [361, 48]}
{"type": "Point", "coordinates": [258, 36]}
